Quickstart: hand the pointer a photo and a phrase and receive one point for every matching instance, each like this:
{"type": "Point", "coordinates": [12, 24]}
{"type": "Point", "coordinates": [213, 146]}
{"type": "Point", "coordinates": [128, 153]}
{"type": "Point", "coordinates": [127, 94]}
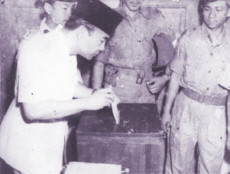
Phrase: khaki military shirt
{"type": "Point", "coordinates": [131, 45]}
{"type": "Point", "coordinates": [200, 63]}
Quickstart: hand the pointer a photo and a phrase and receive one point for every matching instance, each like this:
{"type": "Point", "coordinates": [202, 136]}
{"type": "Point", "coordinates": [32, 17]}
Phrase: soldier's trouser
{"type": "Point", "coordinates": [199, 124]}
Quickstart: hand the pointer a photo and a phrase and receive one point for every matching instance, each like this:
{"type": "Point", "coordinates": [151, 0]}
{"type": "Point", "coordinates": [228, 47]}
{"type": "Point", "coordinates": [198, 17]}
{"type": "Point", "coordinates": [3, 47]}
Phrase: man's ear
{"type": "Point", "coordinates": [82, 31]}
{"type": "Point", "coordinates": [48, 8]}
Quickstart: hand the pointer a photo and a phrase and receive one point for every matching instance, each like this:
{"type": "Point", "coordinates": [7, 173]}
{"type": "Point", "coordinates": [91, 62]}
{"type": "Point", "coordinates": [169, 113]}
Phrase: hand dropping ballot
{"type": "Point", "coordinates": [114, 106]}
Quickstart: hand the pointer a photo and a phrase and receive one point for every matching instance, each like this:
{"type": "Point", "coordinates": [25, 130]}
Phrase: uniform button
{"type": "Point", "coordinates": [209, 71]}
{"type": "Point", "coordinates": [46, 31]}
{"type": "Point", "coordinates": [211, 54]}
{"type": "Point", "coordinates": [122, 86]}
{"type": "Point", "coordinates": [207, 89]}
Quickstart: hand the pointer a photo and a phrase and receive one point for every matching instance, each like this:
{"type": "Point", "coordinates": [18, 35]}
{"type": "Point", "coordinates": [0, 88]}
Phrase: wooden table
{"type": "Point", "coordinates": [136, 143]}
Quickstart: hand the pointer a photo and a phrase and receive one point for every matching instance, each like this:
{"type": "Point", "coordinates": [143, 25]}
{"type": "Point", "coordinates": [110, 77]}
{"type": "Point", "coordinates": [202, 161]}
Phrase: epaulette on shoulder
{"type": "Point", "coordinates": [183, 35]}
{"type": "Point", "coordinates": [30, 33]}
{"type": "Point", "coordinates": [190, 31]}
{"type": "Point", "coordinates": [188, 34]}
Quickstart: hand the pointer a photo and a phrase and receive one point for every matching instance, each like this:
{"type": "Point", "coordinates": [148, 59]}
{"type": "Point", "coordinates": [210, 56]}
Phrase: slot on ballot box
{"type": "Point", "coordinates": [137, 142]}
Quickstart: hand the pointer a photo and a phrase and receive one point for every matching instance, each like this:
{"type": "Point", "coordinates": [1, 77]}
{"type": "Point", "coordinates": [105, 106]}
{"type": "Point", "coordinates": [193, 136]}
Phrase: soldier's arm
{"type": "Point", "coordinates": [177, 67]}
{"type": "Point", "coordinates": [98, 74]}
{"type": "Point", "coordinates": [173, 89]}
{"type": "Point", "coordinates": [99, 67]}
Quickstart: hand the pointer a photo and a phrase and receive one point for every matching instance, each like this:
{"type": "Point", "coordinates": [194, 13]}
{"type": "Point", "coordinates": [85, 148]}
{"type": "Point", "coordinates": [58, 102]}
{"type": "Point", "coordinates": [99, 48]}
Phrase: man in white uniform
{"type": "Point", "coordinates": [48, 89]}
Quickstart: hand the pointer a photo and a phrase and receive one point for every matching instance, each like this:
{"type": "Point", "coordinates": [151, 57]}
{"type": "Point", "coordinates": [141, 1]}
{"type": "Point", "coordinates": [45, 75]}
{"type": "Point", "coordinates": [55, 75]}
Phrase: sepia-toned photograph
{"type": "Point", "coordinates": [114, 86]}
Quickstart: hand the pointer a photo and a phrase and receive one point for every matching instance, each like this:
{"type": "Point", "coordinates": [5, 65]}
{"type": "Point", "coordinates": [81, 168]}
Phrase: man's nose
{"type": "Point", "coordinates": [102, 47]}
{"type": "Point", "coordinates": [212, 14]}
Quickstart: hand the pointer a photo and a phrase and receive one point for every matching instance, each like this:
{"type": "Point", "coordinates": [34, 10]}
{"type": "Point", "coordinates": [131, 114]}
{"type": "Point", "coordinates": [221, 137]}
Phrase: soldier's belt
{"type": "Point", "coordinates": [133, 75]}
{"type": "Point", "coordinates": [209, 100]}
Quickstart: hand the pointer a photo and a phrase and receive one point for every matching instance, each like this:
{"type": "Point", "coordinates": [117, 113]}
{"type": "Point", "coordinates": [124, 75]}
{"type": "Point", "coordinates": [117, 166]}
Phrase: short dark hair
{"type": "Point", "coordinates": [202, 3]}
{"type": "Point", "coordinates": [40, 4]}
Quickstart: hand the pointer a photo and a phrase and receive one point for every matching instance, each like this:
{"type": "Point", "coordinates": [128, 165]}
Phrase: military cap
{"type": "Point", "coordinates": [98, 14]}
{"type": "Point", "coordinates": [164, 50]}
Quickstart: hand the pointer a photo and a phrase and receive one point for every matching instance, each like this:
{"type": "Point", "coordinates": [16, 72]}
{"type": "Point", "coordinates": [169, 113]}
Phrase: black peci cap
{"type": "Point", "coordinates": [98, 14]}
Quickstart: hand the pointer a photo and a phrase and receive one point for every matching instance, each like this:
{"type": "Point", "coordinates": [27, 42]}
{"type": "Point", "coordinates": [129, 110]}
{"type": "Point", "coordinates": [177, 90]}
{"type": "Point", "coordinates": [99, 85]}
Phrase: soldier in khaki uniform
{"type": "Point", "coordinates": [126, 64]}
{"type": "Point", "coordinates": [197, 112]}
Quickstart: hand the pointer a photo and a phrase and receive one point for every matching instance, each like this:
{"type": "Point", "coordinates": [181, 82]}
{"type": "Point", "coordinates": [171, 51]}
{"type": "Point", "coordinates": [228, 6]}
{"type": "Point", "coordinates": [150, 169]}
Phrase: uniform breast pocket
{"type": "Point", "coordinates": [117, 40]}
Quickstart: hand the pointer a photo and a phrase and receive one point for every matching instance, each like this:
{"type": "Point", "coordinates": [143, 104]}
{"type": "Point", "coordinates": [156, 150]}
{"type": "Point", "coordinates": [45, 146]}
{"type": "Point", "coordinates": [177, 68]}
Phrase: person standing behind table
{"type": "Point", "coordinates": [33, 131]}
{"type": "Point", "coordinates": [197, 116]}
{"type": "Point", "coordinates": [127, 61]}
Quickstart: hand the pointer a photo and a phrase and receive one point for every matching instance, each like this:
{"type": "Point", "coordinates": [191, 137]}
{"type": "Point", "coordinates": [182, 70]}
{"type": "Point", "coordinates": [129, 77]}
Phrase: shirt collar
{"type": "Point", "coordinates": [45, 28]}
{"type": "Point", "coordinates": [205, 33]}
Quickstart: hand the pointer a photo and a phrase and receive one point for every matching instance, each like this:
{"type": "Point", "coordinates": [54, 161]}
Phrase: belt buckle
{"type": "Point", "coordinates": [139, 80]}
{"type": "Point", "coordinates": [202, 99]}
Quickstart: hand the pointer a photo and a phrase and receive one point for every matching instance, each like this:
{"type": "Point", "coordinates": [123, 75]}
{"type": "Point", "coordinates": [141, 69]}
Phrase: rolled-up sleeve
{"type": "Point", "coordinates": [104, 55]}
{"type": "Point", "coordinates": [177, 64]}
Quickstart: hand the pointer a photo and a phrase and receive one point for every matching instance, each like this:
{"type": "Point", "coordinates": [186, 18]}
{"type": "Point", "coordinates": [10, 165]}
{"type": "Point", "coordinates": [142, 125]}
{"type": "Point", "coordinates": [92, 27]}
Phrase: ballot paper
{"type": "Point", "coordinates": [115, 110]}
{"type": "Point", "coordinates": [92, 168]}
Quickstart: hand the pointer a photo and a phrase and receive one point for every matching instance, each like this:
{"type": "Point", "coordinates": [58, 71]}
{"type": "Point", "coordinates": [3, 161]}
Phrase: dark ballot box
{"type": "Point", "coordinates": [136, 143]}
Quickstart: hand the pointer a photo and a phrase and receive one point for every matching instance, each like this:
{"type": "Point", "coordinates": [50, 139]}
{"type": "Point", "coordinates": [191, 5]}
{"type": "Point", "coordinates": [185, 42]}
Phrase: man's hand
{"type": "Point", "coordinates": [156, 84]}
{"type": "Point", "coordinates": [101, 98]}
{"type": "Point", "coordinates": [166, 121]}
